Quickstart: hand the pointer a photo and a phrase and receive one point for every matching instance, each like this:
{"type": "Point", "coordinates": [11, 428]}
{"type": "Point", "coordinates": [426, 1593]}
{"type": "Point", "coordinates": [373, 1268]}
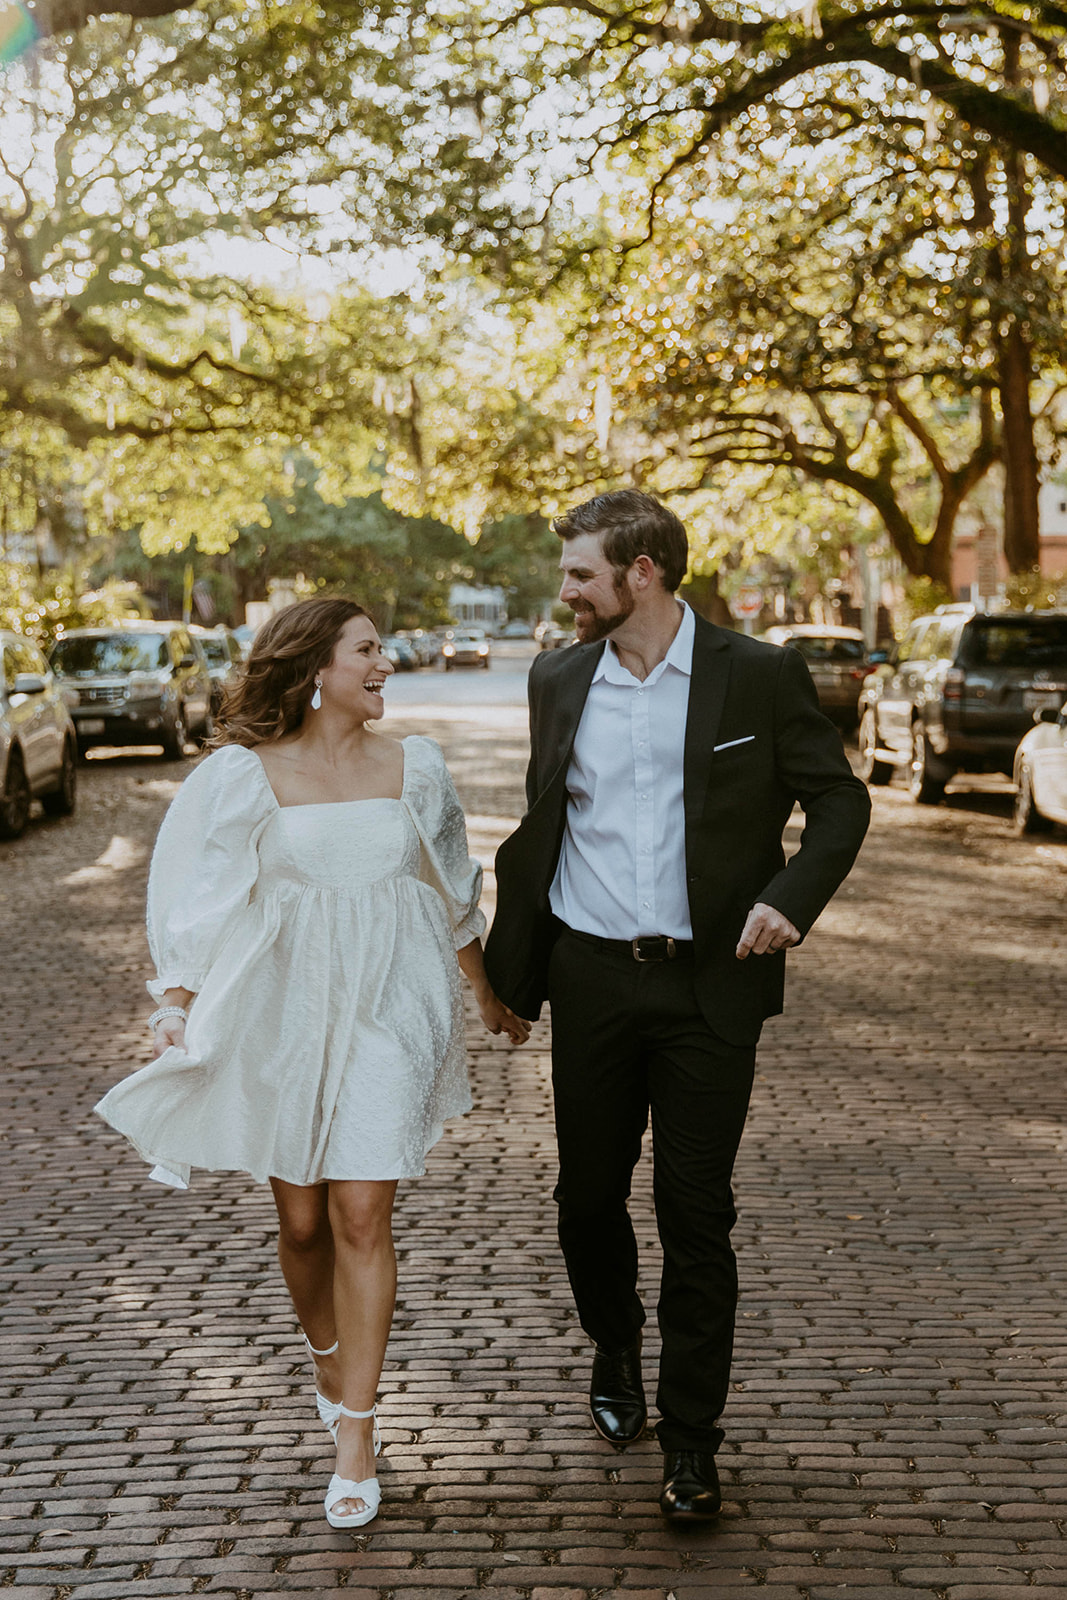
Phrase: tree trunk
{"type": "Point", "coordinates": [701, 591]}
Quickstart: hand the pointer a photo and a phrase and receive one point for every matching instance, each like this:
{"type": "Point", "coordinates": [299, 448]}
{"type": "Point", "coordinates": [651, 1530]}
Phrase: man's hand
{"type": "Point", "coordinates": [766, 929]}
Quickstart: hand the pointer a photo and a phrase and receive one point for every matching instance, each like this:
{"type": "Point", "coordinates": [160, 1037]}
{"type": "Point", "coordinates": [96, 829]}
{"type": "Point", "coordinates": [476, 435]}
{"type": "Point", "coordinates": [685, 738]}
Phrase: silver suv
{"type": "Point", "coordinates": [38, 754]}
{"type": "Point", "coordinates": [958, 693]}
{"type": "Point", "coordinates": [137, 683]}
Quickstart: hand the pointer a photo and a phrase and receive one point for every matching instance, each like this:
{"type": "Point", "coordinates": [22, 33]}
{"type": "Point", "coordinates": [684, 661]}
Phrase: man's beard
{"type": "Point", "coordinates": [591, 625]}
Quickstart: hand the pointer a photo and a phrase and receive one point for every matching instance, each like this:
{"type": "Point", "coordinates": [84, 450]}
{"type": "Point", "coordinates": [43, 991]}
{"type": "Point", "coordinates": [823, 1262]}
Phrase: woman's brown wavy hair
{"type": "Point", "coordinates": [273, 690]}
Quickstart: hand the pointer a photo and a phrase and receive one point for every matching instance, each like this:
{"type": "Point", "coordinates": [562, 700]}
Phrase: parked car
{"type": "Point", "coordinates": [244, 634]}
{"type": "Point", "coordinates": [837, 660]}
{"type": "Point", "coordinates": [137, 683]}
{"type": "Point", "coordinates": [465, 647]}
{"type": "Point", "coordinates": [38, 749]}
{"type": "Point", "coordinates": [517, 629]}
{"type": "Point", "coordinates": [958, 694]}
{"type": "Point", "coordinates": [401, 652]}
{"type": "Point", "coordinates": [1041, 773]}
{"type": "Point", "coordinates": [553, 638]}
{"type": "Point", "coordinates": [426, 644]}
{"type": "Point", "coordinates": [223, 655]}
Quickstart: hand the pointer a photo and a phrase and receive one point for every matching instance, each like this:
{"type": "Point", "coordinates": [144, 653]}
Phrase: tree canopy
{"type": "Point", "coordinates": [661, 244]}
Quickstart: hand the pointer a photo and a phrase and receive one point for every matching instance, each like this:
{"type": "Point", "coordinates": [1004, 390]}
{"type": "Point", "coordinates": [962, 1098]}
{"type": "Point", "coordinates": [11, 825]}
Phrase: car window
{"type": "Point", "coordinates": [822, 649]}
{"type": "Point", "coordinates": [216, 652]}
{"type": "Point", "coordinates": [1015, 642]}
{"type": "Point", "coordinates": [937, 641]}
{"type": "Point", "coordinates": [111, 652]}
{"type": "Point", "coordinates": [911, 644]}
{"type": "Point", "coordinates": [29, 659]}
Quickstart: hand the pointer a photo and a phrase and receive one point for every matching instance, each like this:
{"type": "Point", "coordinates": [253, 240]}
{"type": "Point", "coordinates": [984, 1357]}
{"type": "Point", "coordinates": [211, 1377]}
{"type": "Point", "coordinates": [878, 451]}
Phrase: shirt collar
{"type": "Point", "coordinates": [679, 656]}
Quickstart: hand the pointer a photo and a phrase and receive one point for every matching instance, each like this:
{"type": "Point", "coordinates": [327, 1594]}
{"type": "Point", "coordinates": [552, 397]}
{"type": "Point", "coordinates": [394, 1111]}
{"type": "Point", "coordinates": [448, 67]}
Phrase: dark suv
{"type": "Point", "coordinates": [138, 683]}
{"type": "Point", "coordinates": [958, 694]}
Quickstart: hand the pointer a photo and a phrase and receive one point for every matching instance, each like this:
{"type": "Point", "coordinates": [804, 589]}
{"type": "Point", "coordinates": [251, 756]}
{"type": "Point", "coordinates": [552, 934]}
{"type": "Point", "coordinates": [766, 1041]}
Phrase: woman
{"type": "Point", "coordinates": [311, 891]}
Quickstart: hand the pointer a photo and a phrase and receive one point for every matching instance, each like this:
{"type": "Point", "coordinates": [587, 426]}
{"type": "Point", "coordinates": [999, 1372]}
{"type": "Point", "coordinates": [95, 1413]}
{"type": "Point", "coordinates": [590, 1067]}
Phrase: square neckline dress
{"type": "Point", "coordinates": [326, 1038]}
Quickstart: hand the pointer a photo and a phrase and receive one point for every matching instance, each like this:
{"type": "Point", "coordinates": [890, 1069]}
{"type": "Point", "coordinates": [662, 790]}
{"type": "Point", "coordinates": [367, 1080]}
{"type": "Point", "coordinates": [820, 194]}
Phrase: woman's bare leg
{"type": "Point", "coordinates": [364, 1293]}
{"type": "Point", "coordinates": [306, 1256]}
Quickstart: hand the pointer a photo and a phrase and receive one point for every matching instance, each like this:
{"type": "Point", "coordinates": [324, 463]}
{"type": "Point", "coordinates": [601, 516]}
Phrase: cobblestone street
{"type": "Point", "coordinates": [898, 1421]}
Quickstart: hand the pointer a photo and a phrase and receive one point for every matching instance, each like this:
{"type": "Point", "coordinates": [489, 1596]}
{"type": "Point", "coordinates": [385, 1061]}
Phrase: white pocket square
{"type": "Point", "coordinates": [731, 742]}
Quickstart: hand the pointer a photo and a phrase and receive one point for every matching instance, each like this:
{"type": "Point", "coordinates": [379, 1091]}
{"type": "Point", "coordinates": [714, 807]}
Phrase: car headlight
{"type": "Point", "coordinates": [483, 649]}
{"type": "Point", "coordinates": [449, 650]}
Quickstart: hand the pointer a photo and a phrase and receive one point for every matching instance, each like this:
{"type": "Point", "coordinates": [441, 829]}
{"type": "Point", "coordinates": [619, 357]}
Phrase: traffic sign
{"type": "Point", "coordinates": [747, 602]}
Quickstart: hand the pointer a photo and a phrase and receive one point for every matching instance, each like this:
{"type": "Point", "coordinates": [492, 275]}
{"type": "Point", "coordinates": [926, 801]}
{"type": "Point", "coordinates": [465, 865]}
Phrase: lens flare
{"type": "Point", "coordinates": [18, 33]}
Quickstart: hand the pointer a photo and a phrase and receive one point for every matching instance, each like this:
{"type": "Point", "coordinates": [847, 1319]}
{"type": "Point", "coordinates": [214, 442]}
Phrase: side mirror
{"type": "Point", "coordinates": [28, 683]}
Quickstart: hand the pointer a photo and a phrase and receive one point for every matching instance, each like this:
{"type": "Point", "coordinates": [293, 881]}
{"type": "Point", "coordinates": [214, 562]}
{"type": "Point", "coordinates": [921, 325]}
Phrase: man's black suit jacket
{"type": "Point", "coordinates": [737, 802]}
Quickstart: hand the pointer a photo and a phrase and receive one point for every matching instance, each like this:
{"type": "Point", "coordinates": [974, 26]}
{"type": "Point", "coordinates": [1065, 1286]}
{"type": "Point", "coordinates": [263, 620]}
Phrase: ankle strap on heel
{"type": "Point", "coordinates": [362, 1415]}
{"type": "Point", "coordinates": [332, 1351]}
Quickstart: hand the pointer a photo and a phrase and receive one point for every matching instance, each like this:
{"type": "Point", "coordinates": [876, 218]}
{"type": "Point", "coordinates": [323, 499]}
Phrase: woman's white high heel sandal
{"type": "Point", "coordinates": [367, 1489]}
{"type": "Point", "coordinates": [329, 1410]}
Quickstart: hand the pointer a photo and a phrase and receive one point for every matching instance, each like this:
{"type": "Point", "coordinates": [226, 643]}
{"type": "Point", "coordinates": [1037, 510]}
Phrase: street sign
{"type": "Point", "coordinates": [747, 602]}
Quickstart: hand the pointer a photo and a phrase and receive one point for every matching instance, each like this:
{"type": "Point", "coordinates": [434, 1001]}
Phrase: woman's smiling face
{"type": "Point", "coordinates": [357, 670]}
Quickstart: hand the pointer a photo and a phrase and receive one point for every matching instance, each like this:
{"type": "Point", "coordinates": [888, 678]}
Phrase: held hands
{"type": "Point", "coordinates": [500, 1018]}
{"type": "Point", "coordinates": [497, 1017]}
{"type": "Point", "coordinates": [766, 930]}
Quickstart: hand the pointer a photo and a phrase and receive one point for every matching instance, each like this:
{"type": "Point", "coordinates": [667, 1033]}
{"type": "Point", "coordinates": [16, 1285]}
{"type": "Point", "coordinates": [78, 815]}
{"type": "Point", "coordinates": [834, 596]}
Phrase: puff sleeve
{"type": "Point", "coordinates": [438, 816]}
{"type": "Point", "coordinates": [204, 866]}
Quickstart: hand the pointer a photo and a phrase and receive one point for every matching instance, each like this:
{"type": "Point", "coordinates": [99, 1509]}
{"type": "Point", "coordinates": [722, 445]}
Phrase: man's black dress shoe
{"type": "Point", "coordinates": [690, 1486]}
{"type": "Point", "coordinates": [617, 1395]}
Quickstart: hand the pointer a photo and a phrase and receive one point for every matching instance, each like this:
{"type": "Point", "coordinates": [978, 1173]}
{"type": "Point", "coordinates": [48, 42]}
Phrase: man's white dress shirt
{"type": "Point", "coordinates": [621, 869]}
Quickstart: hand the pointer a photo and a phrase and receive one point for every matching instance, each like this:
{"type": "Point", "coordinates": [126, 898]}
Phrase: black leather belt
{"type": "Point", "coordinates": [646, 947]}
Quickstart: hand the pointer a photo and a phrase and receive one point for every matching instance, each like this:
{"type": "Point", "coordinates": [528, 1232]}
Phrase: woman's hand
{"type": "Point", "coordinates": [497, 1017]}
{"type": "Point", "coordinates": [171, 1031]}
{"type": "Point", "coordinates": [500, 1018]}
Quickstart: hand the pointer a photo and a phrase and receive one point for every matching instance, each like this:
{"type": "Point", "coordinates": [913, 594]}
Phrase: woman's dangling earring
{"type": "Point", "coordinates": [316, 698]}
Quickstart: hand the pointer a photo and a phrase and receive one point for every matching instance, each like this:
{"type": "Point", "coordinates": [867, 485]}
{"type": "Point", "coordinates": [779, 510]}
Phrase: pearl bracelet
{"type": "Point", "coordinates": [167, 1011]}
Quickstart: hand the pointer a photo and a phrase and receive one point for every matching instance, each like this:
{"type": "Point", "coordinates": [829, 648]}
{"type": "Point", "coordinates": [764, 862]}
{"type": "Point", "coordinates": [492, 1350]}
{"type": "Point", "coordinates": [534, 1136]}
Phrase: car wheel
{"type": "Point", "coordinates": [16, 799]}
{"type": "Point", "coordinates": [1027, 818]}
{"type": "Point", "coordinates": [174, 739]}
{"type": "Point", "coordinates": [60, 803]}
{"type": "Point", "coordinates": [926, 785]}
{"type": "Point", "coordinates": [871, 769]}
{"type": "Point", "coordinates": [206, 733]}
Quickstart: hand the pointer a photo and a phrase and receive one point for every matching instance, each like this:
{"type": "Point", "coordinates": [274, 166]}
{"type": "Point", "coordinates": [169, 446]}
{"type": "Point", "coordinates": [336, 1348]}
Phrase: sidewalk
{"type": "Point", "coordinates": [898, 1424]}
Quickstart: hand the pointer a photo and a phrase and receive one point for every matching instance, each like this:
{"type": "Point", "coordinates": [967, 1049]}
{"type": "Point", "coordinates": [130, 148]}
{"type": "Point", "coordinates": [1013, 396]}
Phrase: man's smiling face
{"type": "Point", "coordinates": [600, 597]}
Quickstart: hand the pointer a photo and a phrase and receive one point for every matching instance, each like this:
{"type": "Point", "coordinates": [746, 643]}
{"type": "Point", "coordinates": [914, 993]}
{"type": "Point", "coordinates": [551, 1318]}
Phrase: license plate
{"type": "Point", "coordinates": [90, 724]}
{"type": "Point", "coordinates": [1040, 699]}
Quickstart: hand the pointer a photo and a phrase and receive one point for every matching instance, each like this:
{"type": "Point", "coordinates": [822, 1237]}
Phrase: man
{"type": "Point", "coordinates": [646, 895]}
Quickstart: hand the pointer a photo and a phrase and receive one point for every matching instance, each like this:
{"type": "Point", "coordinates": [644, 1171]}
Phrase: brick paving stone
{"type": "Point", "coordinates": [896, 1423]}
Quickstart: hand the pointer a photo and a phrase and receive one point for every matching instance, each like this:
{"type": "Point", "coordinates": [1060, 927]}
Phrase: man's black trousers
{"type": "Point", "coordinates": [628, 1037]}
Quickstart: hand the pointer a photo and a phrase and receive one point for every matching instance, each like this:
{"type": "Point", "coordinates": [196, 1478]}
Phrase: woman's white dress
{"type": "Point", "coordinates": [326, 1038]}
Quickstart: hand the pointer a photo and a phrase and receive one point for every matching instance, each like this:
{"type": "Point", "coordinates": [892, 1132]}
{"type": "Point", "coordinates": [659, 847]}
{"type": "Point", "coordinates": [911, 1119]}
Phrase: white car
{"type": "Point", "coordinates": [1041, 773]}
{"type": "Point", "coordinates": [38, 748]}
{"type": "Point", "coordinates": [466, 647]}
